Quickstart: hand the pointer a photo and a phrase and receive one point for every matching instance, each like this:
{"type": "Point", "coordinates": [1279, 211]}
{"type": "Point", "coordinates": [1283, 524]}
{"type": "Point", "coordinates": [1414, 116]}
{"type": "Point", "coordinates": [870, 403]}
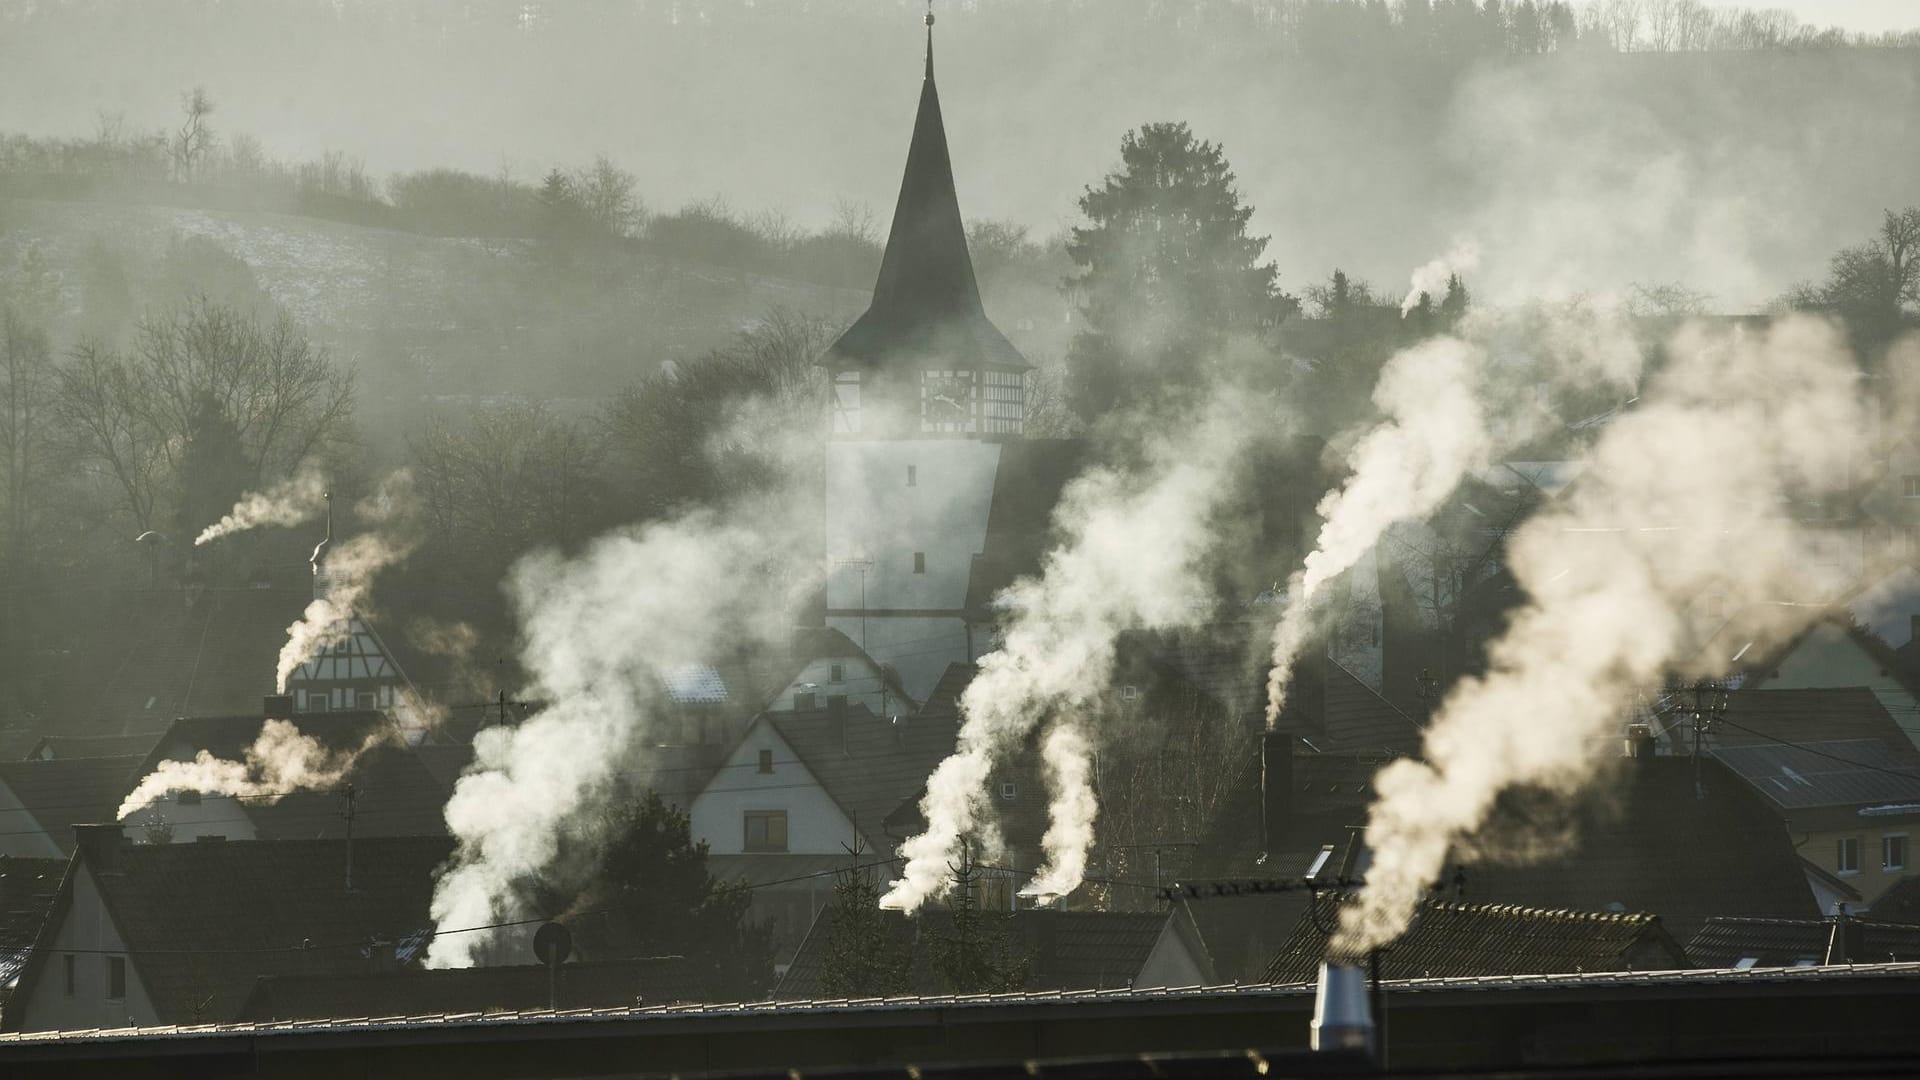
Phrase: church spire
{"type": "Point", "coordinates": [926, 289]}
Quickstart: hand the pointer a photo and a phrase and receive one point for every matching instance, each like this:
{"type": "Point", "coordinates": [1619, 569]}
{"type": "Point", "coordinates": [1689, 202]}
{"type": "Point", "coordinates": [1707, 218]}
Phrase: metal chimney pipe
{"type": "Point", "coordinates": [1342, 1017]}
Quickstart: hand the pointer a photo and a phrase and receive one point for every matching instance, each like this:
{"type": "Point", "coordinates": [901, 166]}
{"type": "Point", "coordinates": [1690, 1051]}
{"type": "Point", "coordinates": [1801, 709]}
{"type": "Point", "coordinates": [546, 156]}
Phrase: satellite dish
{"type": "Point", "coordinates": [552, 944]}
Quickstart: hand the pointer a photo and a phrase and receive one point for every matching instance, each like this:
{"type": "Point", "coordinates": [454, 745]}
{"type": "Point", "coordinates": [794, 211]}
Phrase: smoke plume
{"type": "Point", "coordinates": [1687, 495]}
{"type": "Point", "coordinates": [1434, 431]}
{"type": "Point", "coordinates": [296, 499]}
{"type": "Point", "coordinates": [348, 572]}
{"type": "Point", "coordinates": [1431, 280]}
{"type": "Point", "coordinates": [1132, 556]}
{"type": "Point", "coordinates": [600, 634]}
{"type": "Point", "coordinates": [280, 762]}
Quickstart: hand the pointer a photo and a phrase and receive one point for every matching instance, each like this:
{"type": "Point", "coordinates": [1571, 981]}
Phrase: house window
{"type": "Point", "coordinates": [913, 476]}
{"type": "Point", "coordinates": [1847, 861]}
{"type": "Point", "coordinates": [1910, 486]}
{"type": "Point", "coordinates": [1893, 852]}
{"type": "Point", "coordinates": [919, 562]}
{"type": "Point", "coordinates": [1008, 790]}
{"type": "Point", "coordinates": [116, 978]}
{"type": "Point", "coordinates": [1129, 692]}
{"type": "Point", "coordinates": [70, 976]}
{"type": "Point", "coordinates": [803, 701]}
{"type": "Point", "coordinates": [838, 673]}
{"type": "Point", "coordinates": [766, 830]}
{"type": "Point", "coordinates": [369, 700]}
{"type": "Point", "coordinates": [766, 761]}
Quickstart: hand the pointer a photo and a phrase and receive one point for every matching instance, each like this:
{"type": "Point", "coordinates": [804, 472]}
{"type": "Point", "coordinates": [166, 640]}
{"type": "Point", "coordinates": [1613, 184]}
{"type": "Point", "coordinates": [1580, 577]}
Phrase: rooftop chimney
{"type": "Point", "coordinates": [1276, 786]}
{"type": "Point", "coordinates": [1640, 744]}
{"type": "Point", "coordinates": [1342, 1019]}
{"type": "Point", "coordinates": [99, 846]}
{"type": "Point", "coordinates": [277, 707]}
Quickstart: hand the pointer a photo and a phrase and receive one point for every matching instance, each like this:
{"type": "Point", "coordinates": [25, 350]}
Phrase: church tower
{"type": "Point", "coordinates": [926, 394]}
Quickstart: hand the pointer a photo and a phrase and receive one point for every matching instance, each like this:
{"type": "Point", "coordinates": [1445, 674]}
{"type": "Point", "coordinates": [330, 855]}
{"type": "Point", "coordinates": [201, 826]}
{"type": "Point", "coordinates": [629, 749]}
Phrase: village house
{"type": "Point", "coordinates": [145, 934]}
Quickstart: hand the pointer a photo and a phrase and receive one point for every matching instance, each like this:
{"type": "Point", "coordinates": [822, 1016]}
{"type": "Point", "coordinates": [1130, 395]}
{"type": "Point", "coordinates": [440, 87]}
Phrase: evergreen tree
{"type": "Point", "coordinates": [1165, 270]}
{"type": "Point", "coordinates": [214, 472]}
{"type": "Point", "coordinates": [975, 952]}
{"type": "Point", "coordinates": [650, 894]}
{"type": "Point", "coordinates": [1454, 305]}
{"type": "Point", "coordinates": [866, 955]}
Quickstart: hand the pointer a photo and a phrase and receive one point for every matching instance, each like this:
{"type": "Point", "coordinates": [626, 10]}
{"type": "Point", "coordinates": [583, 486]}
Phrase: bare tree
{"type": "Point", "coordinates": [194, 141]}
{"type": "Point", "coordinates": [133, 415]}
{"type": "Point", "coordinates": [27, 387]}
{"type": "Point", "coordinates": [606, 193]}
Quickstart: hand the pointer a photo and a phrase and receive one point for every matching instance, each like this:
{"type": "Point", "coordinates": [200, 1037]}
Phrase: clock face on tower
{"type": "Point", "coordinates": [946, 401]}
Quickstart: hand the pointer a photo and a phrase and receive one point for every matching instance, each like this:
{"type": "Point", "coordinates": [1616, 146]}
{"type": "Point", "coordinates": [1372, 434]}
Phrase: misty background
{"type": "Point", "coordinates": [1663, 154]}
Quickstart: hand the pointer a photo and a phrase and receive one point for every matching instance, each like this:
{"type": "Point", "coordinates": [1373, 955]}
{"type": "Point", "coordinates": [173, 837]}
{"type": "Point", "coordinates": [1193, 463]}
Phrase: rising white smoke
{"type": "Point", "coordinates": [1431, 280]}
{"type": "Point", "coordinates": [600, 634]}
{"type": "Point", "coordinates": [280, 761]}
{"type": "Point", "coordinates": [298, 498]}
{"type": "Point", "coordinates": [1434, 431]}
{"type": "Point", "coordinates": [1132, 557]}
{"type": "Point", "coordinates": [349, 569]}
{"type": "Point", "coordinates": [1448, 405]}
{"type": "Point", "coordinates": [1686, 495]}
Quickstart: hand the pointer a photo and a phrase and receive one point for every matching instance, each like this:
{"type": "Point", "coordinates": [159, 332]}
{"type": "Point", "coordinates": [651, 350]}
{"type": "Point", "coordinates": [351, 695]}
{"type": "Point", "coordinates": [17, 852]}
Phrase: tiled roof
{"type": "Point", "coordinates": [1725, 943]}
{"type": "Point", "coordinates": [1242, 933]}
{"type": "Point", "coordinates": [608, 984]}
{"type": "Point", "coordinates": [1064, 950]}
{"type": "Point", "coordinates": [133, 744]}
{"type": "Point", "coordinates": [869, 764]}
{"type": "Point", "coordinates": [1154, 1000]}
{"type": "Point", "coordinates": [1839, 772]}
{"type": "Point", "coordinates": [27, 889]}
{"type": "Point", "coordinates": [1653, 839]}
{"type": "Point", "coordinates": [695, 684]}
{"type": "Point", "coordinates": [1764, 717]}
{"type": "Point", "coordinates": [1448, 940]}
{"type": "Point", "coordinates": [396, 794]}
{"type": "Point", "coordinates": [1900, 902]}
{"type": "Point", "coordinates": [1330, 794]}
{"type": "Point", "coordinates": [65, 792]}
{"type": "Point", "coordinates": [203, 921]}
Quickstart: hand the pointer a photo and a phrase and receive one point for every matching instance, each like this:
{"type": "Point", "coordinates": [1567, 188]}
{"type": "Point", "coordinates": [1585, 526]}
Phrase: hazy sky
{"type": "Point", "coordinates": [1867, 15]}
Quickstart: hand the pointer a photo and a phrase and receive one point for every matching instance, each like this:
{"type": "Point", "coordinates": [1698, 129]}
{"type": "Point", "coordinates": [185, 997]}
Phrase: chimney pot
{"type": "Point", "coordinates": [99, 846]}
{"type": "Point", "coordinates": [1640, 743]}
{"type": "Point", "coordinates": [1342, 1019]}
{"type": "Point", "coordinates": [278, 707]}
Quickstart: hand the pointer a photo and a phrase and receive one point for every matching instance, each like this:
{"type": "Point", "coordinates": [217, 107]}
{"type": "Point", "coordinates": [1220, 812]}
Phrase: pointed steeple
{"type": "Point", "coordinates": [926, 297]}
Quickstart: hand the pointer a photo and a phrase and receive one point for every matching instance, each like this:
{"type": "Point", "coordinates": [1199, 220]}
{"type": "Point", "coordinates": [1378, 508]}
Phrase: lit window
{"type": "Point", "coordinates": [116, 978]}
{"type": "Point", "coordinates": [1893, 852]}
{"type": "Point", "coordinates": [919, 562]}
{"type": "Point", "coordinates": [766, 830]}
{"type": "Point", "coordinates": [766, 761]}
{"type": "Point", "coordinates": [1847, 861]}
{"type": "Point", "coordinates": [913, 476]}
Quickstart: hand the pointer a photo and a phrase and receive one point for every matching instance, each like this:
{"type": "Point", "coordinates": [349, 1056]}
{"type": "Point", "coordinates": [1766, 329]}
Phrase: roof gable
{"type": "Point", "coordinates": [55, 795]}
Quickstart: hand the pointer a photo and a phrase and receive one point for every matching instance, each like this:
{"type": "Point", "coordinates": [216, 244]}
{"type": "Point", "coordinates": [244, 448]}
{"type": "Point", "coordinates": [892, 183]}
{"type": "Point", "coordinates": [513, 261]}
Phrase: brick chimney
{"type": "Point", "coordinates": [99, 846]}
{"type": "Point", "coordinates": [1276, 787]}
{"type": "Point", "coordinates": [1640, 743]}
